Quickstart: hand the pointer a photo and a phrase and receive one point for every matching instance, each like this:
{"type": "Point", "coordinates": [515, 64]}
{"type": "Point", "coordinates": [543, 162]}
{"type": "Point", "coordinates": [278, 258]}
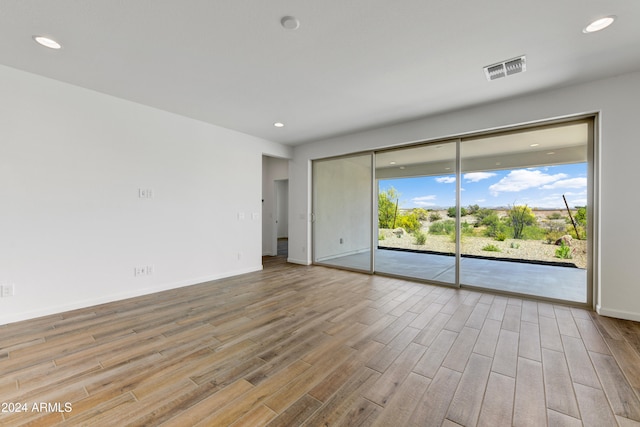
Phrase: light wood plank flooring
{"type": "Point", "coordinates": [314, 346]}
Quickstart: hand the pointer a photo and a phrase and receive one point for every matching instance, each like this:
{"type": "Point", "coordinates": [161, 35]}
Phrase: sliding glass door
{"type": "Point", "coordinates": [342, 212]}
{"type": "Point", "coordinates": [507, 211]}
{"type": "Point", "coordinates": [524, 223]}
{"type": "Point", "coordinates": [416, 231]}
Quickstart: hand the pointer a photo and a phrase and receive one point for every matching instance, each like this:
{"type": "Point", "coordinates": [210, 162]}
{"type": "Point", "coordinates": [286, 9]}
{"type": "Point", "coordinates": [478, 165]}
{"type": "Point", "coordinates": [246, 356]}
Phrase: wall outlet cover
{"type": "Point", "coordinates": [7, 290]}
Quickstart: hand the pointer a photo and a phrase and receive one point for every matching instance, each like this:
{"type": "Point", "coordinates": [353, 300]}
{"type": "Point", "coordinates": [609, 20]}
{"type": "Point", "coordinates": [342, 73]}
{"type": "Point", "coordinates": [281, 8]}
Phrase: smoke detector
{"type": "Point", "coordinates": [506, 68]}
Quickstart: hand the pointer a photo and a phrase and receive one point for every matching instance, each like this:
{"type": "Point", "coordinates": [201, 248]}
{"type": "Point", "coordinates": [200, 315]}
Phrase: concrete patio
{"type": "Point", "coordinates": [547, 281]}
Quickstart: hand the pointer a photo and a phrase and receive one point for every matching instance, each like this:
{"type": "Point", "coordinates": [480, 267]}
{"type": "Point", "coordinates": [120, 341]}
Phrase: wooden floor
{"type": "Point", "coordinates": [295, 345]}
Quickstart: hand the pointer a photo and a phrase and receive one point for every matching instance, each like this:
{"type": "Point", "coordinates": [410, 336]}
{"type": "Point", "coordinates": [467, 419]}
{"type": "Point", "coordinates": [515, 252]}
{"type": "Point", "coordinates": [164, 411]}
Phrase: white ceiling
{"type": "Point", "coordinates": [351, 65]}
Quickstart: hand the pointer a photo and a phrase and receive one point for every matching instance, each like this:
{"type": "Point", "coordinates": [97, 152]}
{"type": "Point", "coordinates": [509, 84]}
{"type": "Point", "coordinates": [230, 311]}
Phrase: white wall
{"type": "Point", "coordinates": [273, 169]}
{"type": "Point", "coordinates": [617, 99]}
{"type": "Point", "coordinates": [72, 227]}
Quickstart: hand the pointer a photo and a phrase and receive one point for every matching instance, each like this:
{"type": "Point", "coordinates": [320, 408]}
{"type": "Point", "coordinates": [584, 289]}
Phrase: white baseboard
{"type": "Point", "coordinates": [619, 314]}
{"type": "Point", "coordinates": [18, 317]}
{"type": "Point", "coordinates": [298, 261]}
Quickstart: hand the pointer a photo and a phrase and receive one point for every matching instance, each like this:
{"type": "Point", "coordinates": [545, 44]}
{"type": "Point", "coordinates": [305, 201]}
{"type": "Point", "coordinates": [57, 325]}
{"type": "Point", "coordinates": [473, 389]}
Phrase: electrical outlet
{"type": "Point", "coordinates": [7, 290]}
{"type": "Point", "coordinates": [143, 270]}
{"type": "Point", "coordinates": [145, 193]}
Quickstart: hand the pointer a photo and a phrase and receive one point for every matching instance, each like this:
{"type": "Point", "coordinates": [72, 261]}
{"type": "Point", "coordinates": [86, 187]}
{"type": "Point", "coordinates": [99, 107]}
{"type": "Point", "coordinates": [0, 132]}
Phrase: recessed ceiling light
{"type": "Point", "coordinates": [402, 167]}
{"type": "Point", "coordinates": [599, 24]}
{"type": "Point", "coordinates": [533, 145]}
{"type": "Point", "coordinates": [47, 42]}
{"type": "Point", "coordinates": [278, 125]}
{"type": "Point", "coordinates": [447, 169]}
{"type": "Point", "coordinates": [551, 152]}
{"type": "Point", "coordinates": [392, 163]}
{"type": "Point", "coordinates": [498, 163]}
{"type": "Point", "coordinates": [290, 22]}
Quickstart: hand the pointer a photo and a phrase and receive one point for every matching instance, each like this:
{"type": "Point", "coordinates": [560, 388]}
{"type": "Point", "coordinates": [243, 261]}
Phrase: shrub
{"type": "Point", "coordinates": [555, 215]}
{"type": "Point", "coordinates": [387, 202]}
{"type": "Point", "coordinates": [581, 230]}
{"type": "Point", "coordinates": [421, 214]}
{"type": "Point", "coordinates": [563, 251]}
{"type": "Point", "coordinates": [494, 225]}
{"type": "Point", "coordinates": [534, 233]}
{"type": "Point", "coordinates": [500, 236]}
{"type": "Point", "coordinates": [481, 214]}
{"type": "Point", "coordinates": [552, 237]}
{"type": "Point", "coordinates": [380, 236]}
{"type": "Point", "coordinates": [515, 245]}
{"type": "Point", "coordinates": [409, 221]}
{"type": "Point", "coordinates": [421, 238]}
{"type": "Point", "coordinates": [451, 212]}
{"type": "Point", "coordinates": [443, 227]}
{"type": "Point", "coordinates": [473, 209]}
{"type": "Point", "coordinates": [487, 217]}
{"type": "Point", "coordinates": [519, 217]}
{"type": "Point", "coordinates": [434, 216]}
{"type": "Point", "coordinates": [581, 216]}
{"type": "Point", "coordinates": [491, 248]}
{"type": "Point", "coordinates": [467, 229]}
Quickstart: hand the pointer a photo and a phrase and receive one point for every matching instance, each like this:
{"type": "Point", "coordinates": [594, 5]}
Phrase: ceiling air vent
{"type": "Point", "coordinates": [506, 68]}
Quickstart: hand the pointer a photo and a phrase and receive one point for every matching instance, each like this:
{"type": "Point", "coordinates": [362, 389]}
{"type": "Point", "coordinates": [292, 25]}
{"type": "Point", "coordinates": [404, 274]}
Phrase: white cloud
{"type": "Point", "coordinates": [430, 197]}
{"type": "Point", "coordinates": [424, 200]}
{"type": "Point", "coordinates": [446, 179]}
{"type": "Point", "coordinates": [478, 176]}
{"type": "Point", "coordinates": [549, 202]}
{"type": "Point", "coordinates": [523, 179]}
{"type": "Point", "coordinates": [577, 202]}
{"type": "Point", "coordinates": [567, 183]}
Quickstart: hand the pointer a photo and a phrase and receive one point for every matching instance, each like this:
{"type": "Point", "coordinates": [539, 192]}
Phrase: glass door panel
{"type": "Point", "coordinates": [342, 212]}
{"type": "Point", "coordinates": [521, 193]}
{"type": "Point", "coordinates": [416, 195]}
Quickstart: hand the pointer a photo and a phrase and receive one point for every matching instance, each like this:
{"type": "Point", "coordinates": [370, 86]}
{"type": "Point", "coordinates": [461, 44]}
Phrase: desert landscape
{"type": "Point", "coordinates": [552, 226]}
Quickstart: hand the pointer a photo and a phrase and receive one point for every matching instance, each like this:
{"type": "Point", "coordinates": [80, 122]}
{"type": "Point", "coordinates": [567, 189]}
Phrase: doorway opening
{"type": "Point", "coordinates": [282, 217]}
{"type": "Point", "coordinates": [275, 207]}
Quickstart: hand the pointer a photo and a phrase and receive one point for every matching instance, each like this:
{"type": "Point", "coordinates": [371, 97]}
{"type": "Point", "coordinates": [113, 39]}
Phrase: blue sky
{"type": "Point", "coordinates": [540, 187]}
